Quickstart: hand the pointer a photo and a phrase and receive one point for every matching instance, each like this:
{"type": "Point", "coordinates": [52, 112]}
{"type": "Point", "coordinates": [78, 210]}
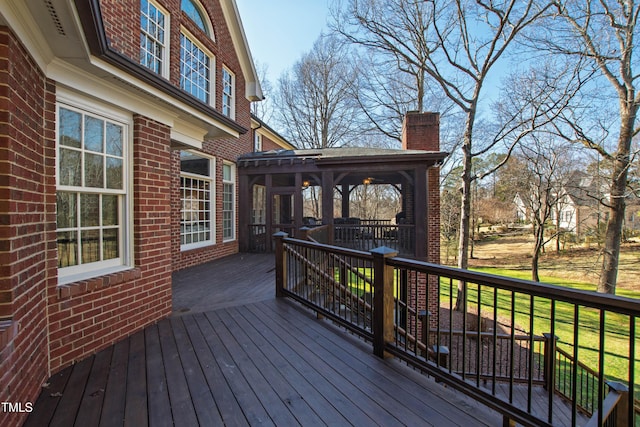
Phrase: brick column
{"type": "Point", "coordinates": [421, 131]}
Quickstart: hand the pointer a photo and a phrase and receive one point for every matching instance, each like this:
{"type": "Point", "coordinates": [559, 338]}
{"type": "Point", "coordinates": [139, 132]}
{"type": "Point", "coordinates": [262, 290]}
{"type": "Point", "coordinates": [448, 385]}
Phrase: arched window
{"type": "Point", "coordinates": [197, 15]}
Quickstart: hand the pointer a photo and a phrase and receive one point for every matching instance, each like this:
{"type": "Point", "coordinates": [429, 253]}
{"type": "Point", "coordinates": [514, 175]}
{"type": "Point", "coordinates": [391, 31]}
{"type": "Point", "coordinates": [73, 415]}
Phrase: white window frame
{"type": "Point", "coordinates": [164, 43]}
{"type": "Point", "coordinates": [212, 202]}
{"type": "Point", "coordinates": [91, 108]}
{"type": "Point", "coordinates": [257, 141]}
{"type": "Point", "coordinates": [211, 92]}
{"type": "Point", "coordinates": [228, 93]}
{"type": "Point", "coordinates": [229, 182]}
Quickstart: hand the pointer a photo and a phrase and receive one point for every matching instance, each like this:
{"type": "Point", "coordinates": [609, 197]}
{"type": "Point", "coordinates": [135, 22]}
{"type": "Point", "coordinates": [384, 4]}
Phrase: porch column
{"type": "Point", "coordinates": [298, 206]}
{"type": "Point", "coordinates": [421, 212]}
{"type": "Point", "coordinates": [245, 199]}
{"type": "Point", "coordinates": [345, 200]}
{"type": "Point", "coordinates": [327, 201]}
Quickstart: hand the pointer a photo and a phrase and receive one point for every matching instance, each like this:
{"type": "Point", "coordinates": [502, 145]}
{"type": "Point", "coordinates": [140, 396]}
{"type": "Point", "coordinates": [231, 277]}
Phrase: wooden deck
{"type": "Point", "coordinates": [268, 362]}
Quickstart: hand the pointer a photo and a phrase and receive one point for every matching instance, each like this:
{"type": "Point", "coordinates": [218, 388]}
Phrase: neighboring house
{"type": "Point", "coordinates": [522, 211]}
{"type": "Point", "coordinates": [579, 210]}
{"type": "Point", "coordinates": [576, 209]}
{"type": "Point", "coordinates": [121, 124]}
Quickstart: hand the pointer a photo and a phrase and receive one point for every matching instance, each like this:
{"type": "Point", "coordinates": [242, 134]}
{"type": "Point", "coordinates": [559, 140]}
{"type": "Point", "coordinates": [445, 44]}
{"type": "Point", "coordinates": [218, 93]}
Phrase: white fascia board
{"type": "Point", "coordinates": [98, 85]}
{"type": "Point", "coordinates": [253, 91]}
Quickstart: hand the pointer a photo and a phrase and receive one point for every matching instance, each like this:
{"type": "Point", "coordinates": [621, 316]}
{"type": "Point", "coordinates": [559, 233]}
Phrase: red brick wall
{"type": "Point", "coordinates": [122, 27]}
{"type": "Point", "coordinates": [27, 218]}
{"type": "Point", "coordinates": [269, 144]}
{"type": "Point", "coordinates": [123, 19]}
{"type": "Point", "coordinates": [86, 316]}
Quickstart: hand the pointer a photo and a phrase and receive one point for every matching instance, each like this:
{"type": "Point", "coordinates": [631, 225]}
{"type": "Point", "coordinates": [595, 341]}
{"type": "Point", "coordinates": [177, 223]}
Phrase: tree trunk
{"type": "Point", "coordinates": [465, 208]}
{"type": "Point", "coordinates": [613, 234]}
{"type": "Point", "coordinates": [539, 235]}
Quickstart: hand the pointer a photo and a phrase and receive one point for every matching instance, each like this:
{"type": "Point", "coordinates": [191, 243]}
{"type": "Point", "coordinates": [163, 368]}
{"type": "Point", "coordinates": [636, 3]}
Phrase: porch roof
{"type": "Point", "coordinates": [342, 155]}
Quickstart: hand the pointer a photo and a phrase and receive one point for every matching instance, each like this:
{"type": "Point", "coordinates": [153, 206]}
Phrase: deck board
{"type": "Point", "coordinates": [91, 404]}
{"type": "Point", "coordinates": [232, 354]}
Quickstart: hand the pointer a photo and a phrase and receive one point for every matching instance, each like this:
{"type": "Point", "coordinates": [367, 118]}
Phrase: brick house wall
{"type": "Point", "coordinates": [269, 144]}
{"type": "Point", "coordinates": [46, 326]}
{"type": "Point", "coordinates": [120, 17]}
{"type": "Point", "coordinates": [27, 217]}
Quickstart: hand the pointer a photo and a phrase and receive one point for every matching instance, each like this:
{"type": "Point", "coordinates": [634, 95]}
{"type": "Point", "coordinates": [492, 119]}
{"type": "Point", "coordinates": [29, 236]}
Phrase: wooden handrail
{"type": "Point", "coordinates": [385, 336]}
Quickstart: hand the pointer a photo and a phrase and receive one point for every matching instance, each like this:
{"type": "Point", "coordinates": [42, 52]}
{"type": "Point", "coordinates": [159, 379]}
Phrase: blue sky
{"type": "Point", "coordinates": [280, 31]}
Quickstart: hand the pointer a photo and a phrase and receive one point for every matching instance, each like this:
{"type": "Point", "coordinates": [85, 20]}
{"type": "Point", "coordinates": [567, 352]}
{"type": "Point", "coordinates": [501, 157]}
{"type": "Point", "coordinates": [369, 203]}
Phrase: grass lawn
{"type": "Point", "coordinates": [575, 269]}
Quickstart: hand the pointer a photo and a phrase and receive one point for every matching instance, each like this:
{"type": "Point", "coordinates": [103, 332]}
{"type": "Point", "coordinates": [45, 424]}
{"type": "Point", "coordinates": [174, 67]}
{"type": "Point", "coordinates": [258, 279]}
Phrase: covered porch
{"type": "Point", "coordinates": [339, 193]}
{"type": "Point", "coordinates": [286, 190]}
{"type": "Point", "coordinates": [246, 360]}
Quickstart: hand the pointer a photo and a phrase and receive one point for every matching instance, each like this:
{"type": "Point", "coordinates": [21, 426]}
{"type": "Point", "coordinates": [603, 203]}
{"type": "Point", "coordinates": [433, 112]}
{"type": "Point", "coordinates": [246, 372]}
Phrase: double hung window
{"type": "Point", "coordinates": [91, 197]}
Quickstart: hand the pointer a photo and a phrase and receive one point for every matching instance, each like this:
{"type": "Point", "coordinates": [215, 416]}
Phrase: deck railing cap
{"type": "Point", "coordinates": [384, 252]}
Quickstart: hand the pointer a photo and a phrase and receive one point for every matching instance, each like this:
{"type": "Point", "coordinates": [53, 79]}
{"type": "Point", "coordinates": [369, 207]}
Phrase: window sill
{"type": "Point", "coordinates": [79, 287]}
{"type": "Point", "coordinates": [194, 246]}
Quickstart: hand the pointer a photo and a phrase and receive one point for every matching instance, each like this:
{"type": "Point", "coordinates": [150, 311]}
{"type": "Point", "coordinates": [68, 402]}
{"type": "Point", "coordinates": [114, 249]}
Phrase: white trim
{"type": "Point", "coordinates": [19, 18]}
{"type": "Point", "coordinates": [253, 91]}
{"type": "Point", "coordinates": [212, 201]}
{"type": "Point", "coordinates": [232, 106]}
{"type": "Point", "coordinates": [212, 64]}
{"type": "Point", "coordinates": [84, 105]}
{"type": "Point", "coordinates": [164, 69]}
{"type": "Point", "coordinates": [233, 182]}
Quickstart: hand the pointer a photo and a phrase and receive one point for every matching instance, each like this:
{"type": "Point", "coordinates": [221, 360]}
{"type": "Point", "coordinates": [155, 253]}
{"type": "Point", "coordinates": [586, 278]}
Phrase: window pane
{"type": "Point", "coordinates": [109, 210]}
{"type": "Point", "coordinates": [93, 171]}
{"type": "Point", "coordinates": [67, 249]}
{"type": "Point", "coordinates": [66, 210]}
{"type": "Point", "coordinates": [195, 224]}
{"type": "Point", "coordinates": [110, 244]}
{"type": "Point", "coordinates": [70, 128]}
{"type": "Point", "coordinates": [193, 12]}
{"type": "Point", "coordinates": [114, 140]}
{"type": "Point", "coordinates": [227, 93]}
{"type": "Point", "coordinates": [69, 173]}
{"type": "Point", "coordinates": [194, 69]}
{"type": "Point", "coordinates": [152, 36]}
{"type": "Point", "coordinates": [89, 210]}
{"type": "Point", "coordinates": [192, 163]}
{"type": "Point", "coordinates": [93, 134]}
{"type": "Point", "coordinates": [90, 246]}
{"type": "Point", "coordinates": [114, 173]}
{"type": "Point", "coordinates": [226, 172]}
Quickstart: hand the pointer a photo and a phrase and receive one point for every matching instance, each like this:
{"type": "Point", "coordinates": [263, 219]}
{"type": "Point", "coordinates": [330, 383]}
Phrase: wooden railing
{"type": "Point", "coordinates": [385, 299]}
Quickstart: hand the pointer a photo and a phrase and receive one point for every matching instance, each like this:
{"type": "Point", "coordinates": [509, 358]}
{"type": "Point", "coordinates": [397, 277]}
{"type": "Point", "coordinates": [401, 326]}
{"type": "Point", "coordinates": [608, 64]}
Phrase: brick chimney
{"type": "Point", "coordinates": [421, 131]}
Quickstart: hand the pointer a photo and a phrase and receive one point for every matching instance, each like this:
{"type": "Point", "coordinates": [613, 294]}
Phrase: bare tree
{"type": "Point", "coordinates": [315, 104]}
{"type": "Point", "coordinates": [263, 109]}
{"type": "Point", "coordinates": [548, 166]}
{"type": "Point", "coordinates": [603, 32]}
{"type": "Point", "coordinates": [457, 44]}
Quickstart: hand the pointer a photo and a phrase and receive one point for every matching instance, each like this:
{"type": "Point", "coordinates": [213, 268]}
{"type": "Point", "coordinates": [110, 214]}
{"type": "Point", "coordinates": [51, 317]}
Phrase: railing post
{"type": "Point", "coordinates": [383, 330]}
{"type": "Point", "coordinates": [622, 408]}
{"type": "Point", "coordinates": [281, 263]}
{"type": "Point", "coordinates": [304, 233]}
{"type": "Point", "coordinates": [550, 342]}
